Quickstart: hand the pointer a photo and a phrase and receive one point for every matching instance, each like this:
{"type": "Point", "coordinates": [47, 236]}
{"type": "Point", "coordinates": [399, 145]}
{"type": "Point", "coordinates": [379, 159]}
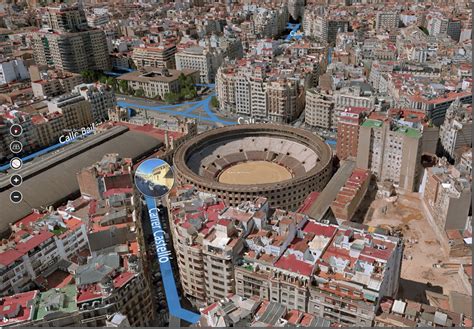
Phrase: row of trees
{"type": "Point", "coordinates": [188, 90]}
{"type": "Point", "coordinates": [119, 86]}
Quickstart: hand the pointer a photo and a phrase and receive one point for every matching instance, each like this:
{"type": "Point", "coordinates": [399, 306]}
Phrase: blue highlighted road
{"type": "Point", "coordinates": [293, 33]}
{"type": "Point", "coordinates": [205, 105]}
{"type": "Point", "coordinates": [169, 283]}
{"type": "Point", "coordinates": [27, 158]}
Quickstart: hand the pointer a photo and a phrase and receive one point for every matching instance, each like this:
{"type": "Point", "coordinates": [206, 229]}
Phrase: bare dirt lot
{"type": "Point", "coordinates": [422, 248]}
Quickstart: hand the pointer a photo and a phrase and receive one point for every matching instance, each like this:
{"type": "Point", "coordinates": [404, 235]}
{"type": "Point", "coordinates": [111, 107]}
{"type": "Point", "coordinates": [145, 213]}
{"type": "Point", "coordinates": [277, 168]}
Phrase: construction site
{"type": "Point", "coordinates": [424, 265]}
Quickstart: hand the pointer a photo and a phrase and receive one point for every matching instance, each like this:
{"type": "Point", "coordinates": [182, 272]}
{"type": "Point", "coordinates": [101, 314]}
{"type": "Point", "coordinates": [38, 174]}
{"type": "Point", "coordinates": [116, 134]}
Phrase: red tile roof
{"type": "Point", "coordinates": [292, 264]}
{"type": "Point", "coordinates": [18, 305]}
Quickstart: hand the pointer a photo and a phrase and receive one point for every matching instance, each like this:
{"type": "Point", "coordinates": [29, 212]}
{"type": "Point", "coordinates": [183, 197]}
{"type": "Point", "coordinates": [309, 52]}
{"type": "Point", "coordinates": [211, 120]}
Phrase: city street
{"type": "Point", "coordinates": [200, 110]}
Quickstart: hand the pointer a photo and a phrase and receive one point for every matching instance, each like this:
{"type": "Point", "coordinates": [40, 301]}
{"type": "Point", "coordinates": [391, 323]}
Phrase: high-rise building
{"type": "Point", "coordinates": [205, 60]}
{"type": "Point", "coordinates": [251, 91]}
{"type": "Point", "coordinates": [319, 109]}
{"type": "Point", "coordinates": [208, 246]}
{"type": "Point", "coordinates": [348, 131]}
{"type": "Point", "coordinates": [156, 56]}
{"type": "Point", "coordinates": [72, 51]}
{"type": "Point", "coordinates": [455, 132]}
{"type": "Point", "coordinates": [12, 70]}
{"type": "Point", "coordinates": [64, 18]}
{"type": "Point", "coordinates": [66, 42]}
{"type": "Point", "coordinates": [100, 96]}
{"type": "Point", "coordinates": [391, 152]}
{"type": "Point", "coordinates": [74, 108]}
{"type": "Point", "coordinates": [440, 25]}
{"type": "Point", "coordinates": [296, 8]}
{"type": "Point", "coordinates": [387, 20]}
{"type": "Point", "coordinates": [324, 26]}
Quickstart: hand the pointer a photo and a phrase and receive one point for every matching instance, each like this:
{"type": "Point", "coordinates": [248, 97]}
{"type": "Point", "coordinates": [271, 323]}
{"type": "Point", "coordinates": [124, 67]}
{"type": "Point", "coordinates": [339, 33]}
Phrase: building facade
{"type": "Point", "coordinates": [319, 109]}
{"type": "Point", "coordinates": [391, 152]}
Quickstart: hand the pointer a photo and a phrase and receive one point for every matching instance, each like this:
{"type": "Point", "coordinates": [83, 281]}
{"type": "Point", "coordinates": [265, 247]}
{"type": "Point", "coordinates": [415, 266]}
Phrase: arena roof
{"type": "Point", "coordinates": [55, 184]}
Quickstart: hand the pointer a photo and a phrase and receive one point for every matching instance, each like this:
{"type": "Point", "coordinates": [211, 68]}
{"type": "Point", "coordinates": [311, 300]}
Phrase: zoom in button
{"type": "Point", "coordinates": [16, 180]}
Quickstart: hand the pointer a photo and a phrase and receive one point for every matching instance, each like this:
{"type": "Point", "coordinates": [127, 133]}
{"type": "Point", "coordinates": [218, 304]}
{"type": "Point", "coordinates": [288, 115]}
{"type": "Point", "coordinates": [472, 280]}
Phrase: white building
{"type": "Point", "coordinates": [101, 97]}
{"type": "Point", "coordinates": [13, 70]}
{"type": "Point", "coordinates": [456, 130]}
{"type": "Point", "coordinates": [198, 58]}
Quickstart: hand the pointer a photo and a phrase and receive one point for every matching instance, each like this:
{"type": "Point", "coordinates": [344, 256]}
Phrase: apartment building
{"type": "Point", "coordinates": [64, 18]}
{"type": "Point", "coordinates": [283, 100]}
{"type": "Point", "coordinates": [456, 130]}
{"type": "Point", "coordinates": [159, 56]}
{"type": "Point", "coordinates": [13, 70]}
{"type": "Point", "coordinates": [226, 88]}
{"type": "Point", "coordinates": [391, 152]}
{"type": "Point", "coordinates": [208, 240]}
{"type": "Point", "coordinates": [348, 131]}
{"type": "Point", "coordinates": [72, 51]}
{"type": "Point", "coordinates": [296, 8]}
{"type": "Point", "coordinates": [52, 83]}
{"type": "Point", "coordinates": [204, 60]}
{"type": "Point", "coordinates": [293, 262]}
{"type": "Point", "coordinates": [39, 242]}
{"type": "Point", "coordinates": [280, 256]}
{"type": "Point", "coordinates": [324, 26]}
{"type": "Point", "coordinates": [437, 106]}
{"type": "Point", "coordinates": [319, 109]}
{"type": "Point", "coordinates": [447, 195]}
{"type": "Point", "coordinates": [94, 181]}
{"type": "Point", "coordinates": [387, 20]}
{"type": "Point", "coordinates": [67, 43]}
{"type": "Point", "coordinates": [441, 25]}
{"type": "Point", "coordinates": [238, 311]}
{"type": "Point", "coordinates": [270, 22]}
{"type": "Point", "coordinates": [355, 94]}
{"type": "Point", "coordinates": [87, 257]}
{"type": "Point", "coordinates": [249, 90]}
{"type": "Point", "coordinates": [75, 110]}
{"type": "Point", "coordinates": [158, 82]}
{"type": "Point", "coordinates": [100, 96]}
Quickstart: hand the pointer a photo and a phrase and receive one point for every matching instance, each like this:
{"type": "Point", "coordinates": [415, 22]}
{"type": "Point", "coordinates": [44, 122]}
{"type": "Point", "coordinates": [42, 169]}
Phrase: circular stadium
{"type": "Point", "coordinates": [241, 162]}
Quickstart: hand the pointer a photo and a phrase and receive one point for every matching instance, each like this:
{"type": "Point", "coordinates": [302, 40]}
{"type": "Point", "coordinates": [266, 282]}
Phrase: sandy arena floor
{"type": "Point", "coordinates": [254, 172]}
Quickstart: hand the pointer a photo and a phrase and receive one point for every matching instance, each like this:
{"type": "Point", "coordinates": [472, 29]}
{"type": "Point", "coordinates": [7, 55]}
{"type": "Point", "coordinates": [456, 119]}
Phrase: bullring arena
{"type": "Point", "coordinates": [241, 162]}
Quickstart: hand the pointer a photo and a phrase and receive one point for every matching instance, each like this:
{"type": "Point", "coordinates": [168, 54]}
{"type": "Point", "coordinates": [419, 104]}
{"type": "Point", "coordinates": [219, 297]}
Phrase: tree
{"type": "Point", "coordinates": [103, 79]}
{"type": "Point", "coordinates": [171, 98]}
{"type": "Point", "coordinates": [139, 92]}
{"type": "Point", "coordinates": [123, 86]}
{"type": "Point", "coordinates": [88, 76]}
{"type": "Point", "coordinates": [214, 102]}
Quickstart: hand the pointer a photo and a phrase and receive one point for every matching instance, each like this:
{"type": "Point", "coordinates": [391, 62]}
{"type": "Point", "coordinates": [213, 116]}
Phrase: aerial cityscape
{"type": "Point", "coordinates": [235, 163]}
